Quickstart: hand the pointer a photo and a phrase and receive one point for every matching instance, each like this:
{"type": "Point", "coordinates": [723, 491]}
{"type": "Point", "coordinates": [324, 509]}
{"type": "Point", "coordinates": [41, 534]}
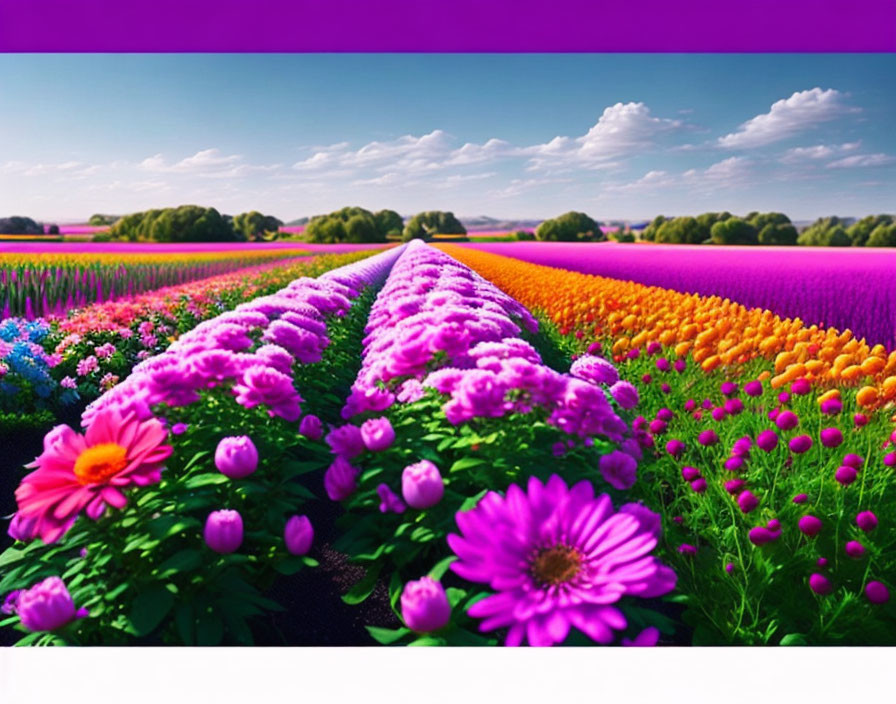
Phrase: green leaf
{"type": "Point", "coordinates": [441, 567]}
{"type": "Point", "coordinates": [472, 501]}
{"type": "Point", "coordinates": [11, 555]}
{"type": "Point", "coordinates": [209, 628]}
{"type": "Point", "coordinates": [455, 595]}
{"type": "Point", "coordinates": [362, 589]}
{"type": "Point", "coordinates": [793, 639]}
{"type": "Point", "coordinates": [290, 565]}
{"type": "Point", "coordinates": [185, 621]}
{"type": "Point", "coordinates": [387, 636]}
{"type": "Point", "coordinates": [427, 641]}
{"type": "Point", "coordinates": [205, 479]}
{"type": "Point", "coordinates": [182, 561]}
{"type": "Point", "coordinates": [149, 609]}
{"type": "Point", "coordinates": [465, 463]}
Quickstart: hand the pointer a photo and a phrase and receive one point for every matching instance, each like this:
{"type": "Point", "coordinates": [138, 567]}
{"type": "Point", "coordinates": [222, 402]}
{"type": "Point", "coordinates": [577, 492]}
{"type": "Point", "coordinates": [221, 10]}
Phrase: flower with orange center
{"type": "Point", "coordinates": [87, 472]}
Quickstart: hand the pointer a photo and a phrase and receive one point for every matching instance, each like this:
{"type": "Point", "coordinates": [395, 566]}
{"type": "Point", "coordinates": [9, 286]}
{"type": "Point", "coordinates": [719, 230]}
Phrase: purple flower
{"type": "Point", "coordinates": [728, 388]}
{"type": "Point", "coordinates": [800, 444]}
{"type": "Point", "coordinates": [265, 385]}
{"type": "Point", "coordinates": [341, 479]}
{"type": "Point", "coordinates": [831, 437]}
{"type": "Point", "coordinates": [657, 427]}
{"type": "Point", "coordinates": [860, 419]}
{"type": "Point", "coordinates": [767, 440]}
{"type": "Point", "coordinates": [424, 605]}
{"type": "Point", "coordinates": [675, 447]}
{"type": "Point", "coordinates": [9, 603]}
{"type": "Point", "coordinates": [223, 531]}
{"type": "Point", "coordinates": [687, 549]}
{"type": "Point", "coordinates": [21, 528]}
{"type": "Point", "coordinates": [390, 502]}
{"type": "Point", "coordinates": [681, 365]}
{"type": "Point", "coordinates": [734, 406]}
{"type": "Point", "coordinates": [831, 406]}
{"type": "Point", "coordinates": [732, 486]}
{"type": "Point", "coordinates": [649, 521]}
{"type": "Point", "coordinates": [822, 562]}
{"type": "Point", "coordinates": [820, 584]}
{"type": "Point", "coordinates": [761, 535]}
{"type": "Point", "coordinates": [625, 394]}
{"type": "Point", "coordinates": [800, 387]}
{"type": "Point", "coordinates": [855, 549]}
{"type": "Point", "coordinates": [179, 428]}
{"type": "Point", "coordinates": [558, 558]}
{"type": "Point", "coordinates": [645, 639]}
{"type": "Point", "coordinates": [890, 459]}
{"type": "Point", "coordinates": [665, 414]}
{"type": "Point", "coordinates": [845, 475]}
{"type": "Point", "coordinates": [853, 460]}
{"type": "Point", "coordinates": [733, 464]}
{"type": "Point", "coordinates": [618, 469]}
{"type": "Point", "coordinates": [809, 525]}
{"type": "Point", "coordinates": [422, 485]}
{"type": "Point", "coordinates": [377, 434]}
{"type": "Point", "coordinates": [47, 606]}
{"type": "Point", "coordinates": [597, 370]}
{"type": "Point", "coordinates": [800, 498]}
{"type": "Point", "coordinates": [236, 457]}
{"type": "Point", "coordinates": [663, 365]}
{"type": "Point", "coordinates": [298, 534]}
{"type": "Point", "coordinates": [311, 427]}
{"type": "Point", "coordinates": [787, 420]}
{"type": "Point", "coordinates": [689, 474]}
{"type": "Point", "coordinates": [699, 485]}
{"type": "Point", "coordinates": [708, 437]}
{"type": "Point", "coordinates": [346, 441]}
{"type": "Point", "coordinates": [866, 521]}
{"type": "Point", "coordinates": [747, 501]}
{"type": "Point", "coordinates": [718, 414]}
{"type": "Point", "coordinates": [729, 568]}
{"type": "Point", "coordinates": [783, 397]}
{"type": "Point", "coordinates": [877, 592]}
{"type": "Point", "coordinates": [753, 388]}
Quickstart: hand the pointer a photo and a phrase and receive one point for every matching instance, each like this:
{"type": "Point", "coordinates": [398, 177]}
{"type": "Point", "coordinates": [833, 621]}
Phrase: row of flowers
{"type": "Point", "coordinates": [776, 499]}
{"type": "Point", "coordinates": [711, 331]}
{"type": "Point", "coordinates": [143, 525]}
{"type": "Point", "coordinates": [471, 462]}
{"type": "Point", "coordinates": [48, 365]}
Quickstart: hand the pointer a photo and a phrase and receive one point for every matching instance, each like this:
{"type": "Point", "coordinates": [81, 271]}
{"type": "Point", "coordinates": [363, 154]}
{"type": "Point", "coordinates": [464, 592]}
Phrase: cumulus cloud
{"type": "Point", "coordinates": [207, 163]}
{"type": "Point", "coordinates": [817, 152]}
{"type": "Point", "coordinates": [733, 171]}
{"type": "Point", "coordinates": [787, 117]}
{"type": "Point", "coordinates": [857, 160]}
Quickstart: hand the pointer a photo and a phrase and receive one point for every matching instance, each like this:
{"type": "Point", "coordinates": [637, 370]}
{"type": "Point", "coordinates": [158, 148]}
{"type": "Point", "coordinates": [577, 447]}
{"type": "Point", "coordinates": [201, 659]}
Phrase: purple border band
{"type": "Point", "coordinates": [448, 25]}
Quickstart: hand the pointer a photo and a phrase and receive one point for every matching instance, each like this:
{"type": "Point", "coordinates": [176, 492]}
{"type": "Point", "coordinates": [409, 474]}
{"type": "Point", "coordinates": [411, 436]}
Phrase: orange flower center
{"type": "Point", "coordinates": [98, 463]}
{"type": "Point", "coordinates": [556, 565]}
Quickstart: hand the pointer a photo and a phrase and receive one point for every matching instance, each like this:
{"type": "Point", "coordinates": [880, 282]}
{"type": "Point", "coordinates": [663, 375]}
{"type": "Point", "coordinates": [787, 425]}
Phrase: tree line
{"type": "Point", "coordinates": [357, 225]}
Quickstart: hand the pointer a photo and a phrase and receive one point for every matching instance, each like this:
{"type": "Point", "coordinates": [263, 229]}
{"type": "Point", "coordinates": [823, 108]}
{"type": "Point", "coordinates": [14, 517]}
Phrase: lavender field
{"type": "Point", "coordinates": [836, 287]}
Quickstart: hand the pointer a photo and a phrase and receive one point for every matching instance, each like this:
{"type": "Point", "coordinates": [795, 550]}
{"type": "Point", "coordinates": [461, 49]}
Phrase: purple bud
{"type": "Point", "coordinates": [708, 437]}
{"type": "Point", "coordinates": [657, 427]}
{"type": "Point", "coordinates": [654, 347]}
{"type": "Point", "coordinates": [728, 388]}
{"type": "Point", "coordinates": [690, 405]}
{"type": "Point", "coordinates": [686, 549]}
{"type": "Point", "coordinates": [389, 500]}
{"type": "Point", "coordinates": [224, 531]}
{"type": "Point", "coordinates": [699, 485]}
{"type": "Point", "coordinates": [666, 389]}
{"type": "Point", "coordinates": [845, 475]}
{"type": "Point", "coordinates": [800, 387]}
{"type": "Point", "coordinates": [718, 414]}
{"type": "Point", "coordinates": [853, 460]}
{"type": "Point", "coordinates": [689, 474]}
{"type": "Point", "coordinates": [810, 525]}
{"type": "Point", "coordinates": [298, 534]}
{"type": "Point", "coordinates": [866, 521]}
{"type": "Point", "coordinates": [594, 348]}
{"type": "Point", "coordinates": [760, 535]}
{"type": "Point", "coordinates": [800, 444]}
{"type": "Point", "coordinates": [859, 420]}
{"type": "Point", "coordinates": [890, 459]}
{"type": "Point", "coordinates": [645, 639]}
{"type": "Point", "coordinates": [734, 406]}
{"type": "Point", "coordinates": [341, 479]}
{"type": "Point", "coordinates": [377, 434]}
{"type": "Point", "coordinates": [831, 437]}
{"type": "Point", "coordinates": [729, 568]}
{"type": "Point", "coordinates": [747, 501]}
{"type": "Point", "coordinates": [787, 420]}
{"type": "Point", "coordinates": [47, 606]}
{"type": "Point", "coordinates": [625, 394]}
{"type": "Point", "coordinates": [424, 605]}
{"type": "Point", "coordinates": [179, 428]}
{"type": "Point", "coordinates": [665, 414]}
{"type": "Point", "coordinates": [663, 364]}
{"type": "Point", "coordinates": [822, 562]}
{"type": "Point", "coordinates": [646, 379]}
{"type": "Point", "coordinates": [707, 404]}
{"type": "Point", "coordinates": [732, 486]}
{"type": "Point", "coordinates": [311, 427]}
{"type": "Point", "coordinates": [733, 464]}
{"type": "Point", "coordinates": [236, 457]}
{"type": "Point", "coordinates": [783, 397]}
{"type": "Point", "coordinates": [773, 524]}
{"type": "Point", "coordinates": [675, 447]}
{"type": "Point", "coordinates": [800, 498]}
{"type": "Point", "coordinates": [681, 365]}
{"type": "Point", "coordinates": [774, 413]}
{"type": "Point", "coordinates": [877, 593]}
{"type": "Point", "coordinates": [855, 549]}
{"type": "Point", "coordinates": [753, 388]}
{"type": "Point", "coordinates": [422, 485]}
{"type": "Point", "coordinates": [742, 446]}
{"type": "Point", "coordinates": [831, 406]}
{"type": "Point", "coordinates": [820, 584]}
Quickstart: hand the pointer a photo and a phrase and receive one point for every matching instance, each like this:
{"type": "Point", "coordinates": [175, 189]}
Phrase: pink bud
{"type": "Point", "coordinates": [732, 486]}
{"type": "Point", "coordinates": [689, 474]}
{"type": "Point", "coordinates": [831, 437]}
{"type": "Point", "coordinates": [422, 485]}
{"type": "Point", "coordinates": [699, 485]}
{"type": "Point", "coordinates": [747, 501]}
{"type": "Point", "coordinates": [820, 584]}
{"type": "Point", "coordinates": [223, 531]}
{"type": "Point", "coordinates": [855, 549]}
{"type": "Point", "coordinates": [298, 534]}
{"type": "Point", "coordinates": [845, 475]}
{"type": "Point", "coordinates": [800, 498]}
{"type": "Point", "coordinates": [866, 521]}
{"type": "Point", "coordinates": [810, 525]}
{"type": "Point", "coordinates": [236, 457]}
{"type": "Point", "coordinates": [424, 605]}
{"type": "Point", "coordinates": [877, 593]}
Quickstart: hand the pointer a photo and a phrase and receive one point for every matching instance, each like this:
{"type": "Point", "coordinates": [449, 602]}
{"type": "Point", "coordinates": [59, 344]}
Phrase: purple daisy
{"type": "Point", "coordinates": [558, 557]}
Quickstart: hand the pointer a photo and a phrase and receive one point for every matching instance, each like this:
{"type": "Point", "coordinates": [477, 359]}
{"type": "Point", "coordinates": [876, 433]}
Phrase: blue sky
{"type": "Point", "coordinates": [528, 136]}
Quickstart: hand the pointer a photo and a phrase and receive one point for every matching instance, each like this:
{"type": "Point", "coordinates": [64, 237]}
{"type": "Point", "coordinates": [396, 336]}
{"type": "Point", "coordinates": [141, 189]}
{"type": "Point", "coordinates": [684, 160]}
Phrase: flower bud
{"type": "Point", "coordinates": [820, 584]}
{"type": "Point", "coordinates": [800, 444]}
{"type": "Point", "coordinates": [340, 479]}
{"type": "Point", "coordinates": [853, 460]}
{"type": "Point", "coordinates": [867, 521]}
{"type": "Point", "coordinates": [236, 457]}
{"type": "Point", "coordinates": [675, 447]}
{"type": "Point", "coordinates": [877, 592]}
{"type": "Point", "coordinates": [346, 441]}
{"type": "Point", "coordinates": [753, 388]}
{"type": "Point", "coordinates": [311, 427]}
{"type": "Point", "coordinates": [787, 420]}
{"type": "Point", "coordinates": [424, 605]}
{"type": "Point", "coordinates": [47, 606]}
{"type": "Point", "coordinates": [389, 500]}
{"type": "Point", "coordinates": [859, 420]}
{"type": "Point", "coordinates": [800, 498]}
{"type": "Point", "coordinates": [689, 474]}
{"type": "Point", "coordinates": [747, 501]}
{"type": "Point", "coordinates": [422, 485]}
{"type": "Point", "coordinates": [831, 437]}
{"type": "Point", "coordinates": [810, 525]}
{"type": "Point", "coordinates": [854, 549]}
{"type": "Point", "coordinates": [708, 437]}
{"type": "Point", "coordinates": [377, 434]}
{"type": "Point", "coordinates": [800, 387]}
{"type": "Point", "coordinates": [845, 475]}
{"type": "Point", "coordinates": [298, 534]}
{"type": "Point", "coordinates": [224, 531]}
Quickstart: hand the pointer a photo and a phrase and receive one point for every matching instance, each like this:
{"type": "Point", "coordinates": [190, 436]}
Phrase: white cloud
{"type": "Point", "coordinates": [649, 181]}
{"type": "Point", "coordinates": [817, 152]}
{"type": "Point", "coordinates": [209, 163]}
{"type": "Point", "coordinates": [787, 117]}
{"type": "Point", "coordinates": [728, 173]}
{"type": "Point", "coordinates": [857, 160]}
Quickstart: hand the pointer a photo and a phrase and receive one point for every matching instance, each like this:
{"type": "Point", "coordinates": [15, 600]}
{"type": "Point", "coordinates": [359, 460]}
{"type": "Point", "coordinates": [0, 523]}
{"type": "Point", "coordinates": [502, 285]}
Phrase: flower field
{"type": "Point", "coordinates": [438, 445]}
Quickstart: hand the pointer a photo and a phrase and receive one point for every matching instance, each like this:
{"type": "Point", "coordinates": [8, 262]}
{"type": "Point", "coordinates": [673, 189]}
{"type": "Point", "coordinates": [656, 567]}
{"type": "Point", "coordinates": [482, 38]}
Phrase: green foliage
{"type": "Point", "coordinates": [569, 227]}
{"type": "Point", "coordinates": [424, 225]}
{"type": "Point", "coordinates": [186, 223]}
{"type": "Point", "coordinates": [681, 230]}
{"type": "Point", "coordinates": [255, 226]}
{"type": "Point", "coordinates": [882, 236]}
{"type": "Point", "coordinates": [98, 219]}
{"type": "Point", "coordinates": [734, 231]}
{"type": "Point", "coordinates": [779, 234]}
{"type": "Point", "coordinates": [522, 235]}
{"type": "Point", "coordinates": [20, 225]}
{"type": "Point", "coordinates": [825, 232]}
{"type": "Point", "coordinates": [649, 232]}
{"type": "Point", "coordinates": [351, 224]}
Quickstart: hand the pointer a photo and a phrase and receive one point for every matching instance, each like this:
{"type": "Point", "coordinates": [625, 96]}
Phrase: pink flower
{"type": "Point", "coordinates": [558, 558]}
{"type": "Point", "coordinates": [298, 534]}
{"type": "Point", "coordinates": [377, 434]}
{"type": "Point", "coordinates": [689, 474]}
{"type": "Point", "coordinates": [877, 592]}
{"type": "Point", "coordinates": [820, 584]}
{"type": "Point", "coordinates": [800, 498]}
{"type": "Point", "coordinates": [346, 441]}
{"type": "Point", "coordinates": [866, 521]}
{"type": "Point", "coordinates": [47, 606]}
{"type": "Point", "coordinates": [87, 365]}
{"type": "Point", "coordinates": [747, 501]}
{"type": "Point", "coordinates": [787, 420]}
{"type": "Point", "coordinates": [311, 427]}
{"type": "Point", "coordinates": [389, 500]}
{"type": "Point", "coordinates": [618, 469]}
{"type": "Point", "coordinates": [845, 475]}
{"type": "Point", "coordinates": [809, 525]}
{"type": "Point", "coordinates": [86, 472]}
{"type": "Point", "coordinates": [223, 531]}
{"type": "Point", "coordinates": [236, 457]}
{"type": "Point", "coordinates": [855, 549]}
{"type": "Point", "coordinates": [800, 387]}
{"type": "Point", "coordinates": [341, 479]}
{"type": "Point", "coordinates": [831, 437]}
{"type": "Point", "coordinates": [675, 447]}
{"type": "Point", "coordinates": [422, 485]}
{"type": "Point", "coordinates": [800, 444]}
{"type": "Point", "coordinates": [753, 388]}
{"type": "Point", "coordinates": [708, 437]}
{"type": "Point", "coordinates": [424, 605]}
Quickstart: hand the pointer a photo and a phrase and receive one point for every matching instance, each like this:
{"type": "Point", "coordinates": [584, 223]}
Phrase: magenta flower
{"type": "Point", "coordinates": [753, 388]}
{"type": "Point", "coordinates": [558, 558]}
{"type": "Point", "coordinates": [800, 444]}
{"type": "Point", "coordinates": [341, 479]}
{"type": "Point", "coordinates": [820, 584]}
{"type": "Point", "coordinates": [853, 460]}
{"type": "Point", "coordinates": [311, 427]}
{"type": "Point", "coordinates": [625, 394]}
{"type": "Point", "coordinates": [831, 437]}
{"type": "Point", "coordinates": [718, 414]}
{"type": "Point", "coordinates": [377, 434]}
{"type": "Point", "coordinates": [734, 406]}
{"type": "Point", "coordinates": [680, 365]}
{"type": "Point", "coordinates": [236, 457]}
{"type": "Point", "coordinates": [800, 387]}
{"type": "Point", "coordinates": [689, 474]}
{"type": "Point", "coordinates": [645, 639]}
{"type": "Point", "coordinates": [665, 414]}
{"type": "Point", "coordinates": [860, 419]}
{"type": "Point", "coordinates": [422, 485]}
{"type": "Point", "coordinates": [854, 549]}
{"type": "Point", "coordinates": [687, 549]}
{"type": "Point", "coordinates": [728, 388]}
{"type": "Point", "coordinates": [654, 347]}
{"type": "Point", "coordinates": [831, 406]}
{"type": "Point", "coordinates": [787, 420]}
{"type": "Point", "coordinates": [742, 446]}
{"type": "Point", "coordinates": [783, 397]}
{"type": "Point", "coordinates": [866, 521]}
{"type": "Point", "coordinates": [800, 498]}
{"type": "Point", "coordinates": [760, 535]}
{"type": "Point", "coordinates": [845, 475]}
{"type": "Point", "coordinates": [708, 437]}
{"type": "Point", "coordinates": [298, 534]}
{"type": "Point", "coordinates": [690, 405]}
{"type": "Point", "coordinates": [809, 525]}
{"type": "Point", "coordinates": [424, 605]}
{"type": "Point", "coordinates": [890, 459]}
{"type": "Point", "coordinates": [877, 592]}
{"type": "Point", "coordinates": [390, 502]}
{"type": "Point", "coordinates": [822, 562]}
{"type": "Point", "coordinates": [732, 464]}
{"type": "Point", "coordinates": [618, 469]}
{"type": "Point", "coordinates": [223, 531]}
{"type": "Point", "coordinates": [699, 485]}
{"type": "Point", "coordinates": [346, 441]}
{"type": "Point", "coordinates": [657, 427]}
{"type": "Point", "coordinates": [747, 501]}
{"type": "Point", "coordinates": [732, 486]}
{"type": "Point", "coordinates": [663, 364]}
{"type": "Point", "coordinates": [675, 447]}
{"type": "Point", "coordinates": [47, 606]}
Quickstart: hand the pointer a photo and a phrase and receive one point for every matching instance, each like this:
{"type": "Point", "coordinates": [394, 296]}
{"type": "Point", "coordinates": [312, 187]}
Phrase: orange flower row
{"type": "Point", "coordinates": [715, 332]}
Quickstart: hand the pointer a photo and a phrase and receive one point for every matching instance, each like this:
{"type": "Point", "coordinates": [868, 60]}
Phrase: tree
{"type": "Point", "coordinates": [681, 230]}
{"type": "Point", "coordinates": [860, 231]}
{"type": "Point", "coordinates": [773, 234]}
{"type": "Point", "coordinates": [820, 232]}
{"type": "Point", "coordinates": [734, 231]}
{"type": "Point", "coordinates": [53, 230]}
{"type": "Point", "coordinates": [186, 223]}
{"type": "Point", "coordinates": [424, 225]}
{"type": "Point", "coordinates": [522, 235]}
{"type": "Point", "coordinates": [254, 225]}
{"type": "Point", "coordinates": [388, 223]}
{"type": "Point", "coordinates": [649, 232]}
{"type": "Point", "coordinates": [569, 227]}
{"type": "Point", "coordinates": [326, 230]}
{"type": "Point", "coordinates": [707, 220]}
{"type": "Point", "coordinates": [361, 228]}
{"type": "Point", "coordinates": [884, 235]}
{"type": "Point", "coordinates": [20, 225]}
{"type": "Point", "coordinates": [98, 219]}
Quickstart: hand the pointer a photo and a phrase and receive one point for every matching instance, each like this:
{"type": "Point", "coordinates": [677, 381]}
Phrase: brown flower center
{"type": "Point", "coordinates": [99, 463]}
{"type": "Point", "coordinates": [556, 565]}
